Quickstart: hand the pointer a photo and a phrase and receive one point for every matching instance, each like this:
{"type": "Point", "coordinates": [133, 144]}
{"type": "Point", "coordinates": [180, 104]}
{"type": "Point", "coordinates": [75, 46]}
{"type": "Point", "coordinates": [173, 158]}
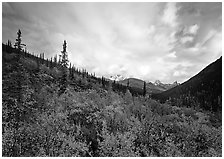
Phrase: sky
{"type": "Point", "coordinates": [151, 41]}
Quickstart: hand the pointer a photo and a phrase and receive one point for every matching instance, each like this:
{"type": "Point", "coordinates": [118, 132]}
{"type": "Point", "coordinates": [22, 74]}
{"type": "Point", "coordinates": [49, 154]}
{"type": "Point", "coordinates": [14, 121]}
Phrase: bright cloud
{"type": "Point", "coordinates": [172, 54]}
{"type": "Point", "coordinates": [179, 73]}
{"type": "Point", "coordinates": [186, 39]}
{"type": "Point", "coordinates": [170, 14]}
{"type": "Point", "coordinates": [193, 29]}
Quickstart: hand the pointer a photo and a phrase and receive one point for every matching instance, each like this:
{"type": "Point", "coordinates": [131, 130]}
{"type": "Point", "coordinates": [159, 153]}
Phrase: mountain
{"type": "Point", "coordinates": [117, 78]}
{"type": "Point", "coordinates": [157, 82]}
{"type": "Point", "coordinates": [151, 88]}
{"type": "Point", "coordinates": [203, 90]}
{"type": "Point", "coordinates": [166, 86]}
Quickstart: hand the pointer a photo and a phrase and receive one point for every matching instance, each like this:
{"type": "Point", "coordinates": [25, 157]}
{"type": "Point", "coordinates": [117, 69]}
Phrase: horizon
{"type": "Point", "coordinates": [151, 41]}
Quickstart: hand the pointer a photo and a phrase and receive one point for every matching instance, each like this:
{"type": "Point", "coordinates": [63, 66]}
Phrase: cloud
{"type": "Point", "coordinates": [193, 29]}
{"type": "Point", "coordinates": [144, 69]}
{"type": "Point", "coordinates": [172, 54]}
{"type": "Point", "coordinates": [150, 30]}
{"type": "Point", "coordinates": [179, 73]}
{"type": "Point", "coordinates": [170, 15]}
{"type": "Point", "coordinates": [187, 34]}
{"type": "Point", "coordinates": [208, 36]}
{"type": "Point", "coordinates": [186, 39]}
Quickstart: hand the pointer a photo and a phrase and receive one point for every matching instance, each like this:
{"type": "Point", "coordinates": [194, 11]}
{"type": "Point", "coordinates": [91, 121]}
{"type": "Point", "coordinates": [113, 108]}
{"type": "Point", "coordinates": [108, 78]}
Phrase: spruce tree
{"type": "Point", "coordinates": [9, 43]}
{"type": "Point", "coordinates": [128, 84]}
{"type": "Point", "coordinates": [103, 82]}
{"type": "Point", "coordinates": [38, 64]}
{"type": "Point", "coordinates": [47, 63]}
{"type": "Point", "coordinates": [64, 64]}
{"type": "Point", "coordinates": [18, 66]}
{"type": "Point", "coordinates": [144, 89]}
{"type": "Point", "coordinates": [51, 63]}
{"type": "Point", "coordinates": [70, 71]}
{"type": "Point", "coordinates": [55, 60]}
{"type": "Point", "coordinates": [18, 44]}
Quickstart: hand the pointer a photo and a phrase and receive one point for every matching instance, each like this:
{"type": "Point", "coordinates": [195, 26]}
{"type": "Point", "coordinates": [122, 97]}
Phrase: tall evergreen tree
{"type": "Point", "coordinates": [9, 43]}
{"type": "Point", "coordinates": [55, 60]}
{"type": "Point", "coordinates": [103, 81]}
{"type": "Point", "coordinates": [70, 71]}
{"type": "Point", "coordinates": [18, 44]}
{"type": "Point", "coordinates": [47, 62]}
{"type": "Point", "coordinates": [38, 64]}
{"type": "Point", "coordinates": [19, 67]}
{"type": "Point", "coordinates": [64, 64]}
{"type": "Point", "coordinates": [144, 89]}
{"type": "Point", "coordinates": [51, 63]}
{"type": "Point", "coordinates": [40, 58]}
{"type": "Point", "coordinates": [128, 84]}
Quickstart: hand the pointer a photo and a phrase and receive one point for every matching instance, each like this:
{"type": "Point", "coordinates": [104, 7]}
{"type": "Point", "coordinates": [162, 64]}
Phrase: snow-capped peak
{"type": "Point", "coordinates": [157, 82]}
{"type": "Point", "coordinates": [117, 77]}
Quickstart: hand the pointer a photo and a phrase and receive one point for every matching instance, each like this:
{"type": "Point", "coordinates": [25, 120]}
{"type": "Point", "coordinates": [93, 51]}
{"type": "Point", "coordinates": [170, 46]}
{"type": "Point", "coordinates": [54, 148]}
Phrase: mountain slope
{"type": "Point", "coordinates": [204, 90]}
{"type": "Point", "coordinates": [151, 88]}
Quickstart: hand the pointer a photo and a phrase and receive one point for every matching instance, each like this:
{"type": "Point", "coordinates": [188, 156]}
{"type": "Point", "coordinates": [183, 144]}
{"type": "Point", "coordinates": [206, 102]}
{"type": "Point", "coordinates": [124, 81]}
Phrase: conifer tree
{"type": "Point", "coordinates": [144, 89]}
{"type": "Point", "coordinates": [70, 71]}
{"type": "Point", "coordinates": [47, 63]}
{"type": "Point", "coordinates": [19, 67]}
{"type": "Point", "coordinates": [9, 43]}
{"type": "Point", "coordinates": [128, 84]}
{"type": "Point", "coordinates": [55, 60]}
{"type": "Point", "coordinates": [18, 44]}
{"type": "Point", "coordinates": [40, 58]}
{"type": "Point", "coordinates": [83, 73]}
{"type": "Point", "coordinates": [64, 64]}
{"type": "Point", "coordinates": [38, 64]}
{"type": "Point", "coordinates": [103, 81]}
{"type": "Point", "coordinates": [51, 63]}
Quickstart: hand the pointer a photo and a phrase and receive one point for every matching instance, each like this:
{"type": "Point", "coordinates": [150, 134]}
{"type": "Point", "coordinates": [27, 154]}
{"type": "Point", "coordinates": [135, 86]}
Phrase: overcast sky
{"type": "Point", "coordinates": [152, 41]}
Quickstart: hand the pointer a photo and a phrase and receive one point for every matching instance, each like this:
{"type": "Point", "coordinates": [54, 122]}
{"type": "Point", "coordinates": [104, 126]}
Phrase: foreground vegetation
{"type": "Point", "coordinates": [94, 121]}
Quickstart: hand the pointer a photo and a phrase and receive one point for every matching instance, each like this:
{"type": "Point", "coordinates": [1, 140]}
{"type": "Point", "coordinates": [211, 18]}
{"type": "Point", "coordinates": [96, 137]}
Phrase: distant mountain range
{"type": "Point", "coordinates": [166, 86]}
{"type": "Point", "coordinates": [203, 90]}
{"type": "Point", "coordinates": [151, 88]}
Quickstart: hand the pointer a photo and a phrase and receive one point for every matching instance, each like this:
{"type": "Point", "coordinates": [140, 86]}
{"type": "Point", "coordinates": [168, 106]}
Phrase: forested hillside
{"type": "Point", "coordinates": [203, 91]}
{"type": "Point", "coordinates": [52, 109]}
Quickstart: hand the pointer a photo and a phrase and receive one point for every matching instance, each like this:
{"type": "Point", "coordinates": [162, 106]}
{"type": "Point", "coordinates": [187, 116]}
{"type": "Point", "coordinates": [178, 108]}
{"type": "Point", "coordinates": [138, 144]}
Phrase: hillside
{"type": "Point", "coordinates": [92, 117]}
{"type": "Point", "coordinates": [204, 90]}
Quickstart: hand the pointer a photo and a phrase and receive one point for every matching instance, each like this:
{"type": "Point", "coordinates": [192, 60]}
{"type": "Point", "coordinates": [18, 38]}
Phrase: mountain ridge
{"type": "Point", "coordinates": [150, 87]}
{"type": "Point", "coordinates": [199, 88]}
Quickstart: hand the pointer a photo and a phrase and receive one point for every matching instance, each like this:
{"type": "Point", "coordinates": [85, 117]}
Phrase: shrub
{"type": "Point", "coordinates": [29, 64]}
{"type": "Point", "coordinates": [117, 145]}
